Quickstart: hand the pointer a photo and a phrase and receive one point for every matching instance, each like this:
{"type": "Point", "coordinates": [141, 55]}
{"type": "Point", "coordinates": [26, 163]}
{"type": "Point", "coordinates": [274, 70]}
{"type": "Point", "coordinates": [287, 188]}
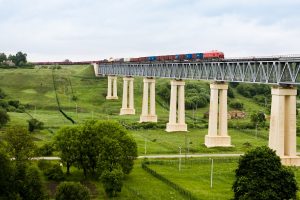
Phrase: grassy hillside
{"type": "Point", "coordinates": [82, 97]}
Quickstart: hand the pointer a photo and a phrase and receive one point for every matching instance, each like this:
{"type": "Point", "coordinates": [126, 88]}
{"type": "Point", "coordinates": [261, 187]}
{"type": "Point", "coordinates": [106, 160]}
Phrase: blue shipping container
{"type": "Point", "coordinates": [199, 55]}
{"type": "Point", "coordinates": [176, 57]}
{"type": "Point", "coordinates": [188, 56]}
{"type": "Point", "coordinates": [152, 58]}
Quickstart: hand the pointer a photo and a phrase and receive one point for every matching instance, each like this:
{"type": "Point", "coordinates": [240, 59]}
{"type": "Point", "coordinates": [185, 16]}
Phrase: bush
{"type": "Point", "coordinates": [260, 175]}
{"type": "Point", "coordinates": [72, 190]}
{"type": "Point", "coordinates": [54, 173]}
{"type": "Point", "coordinates": [44, 165]}
{"type": "Point", "coordinates": [4, 118]}
{"type": "Point", "coordinates": [34, 124]}
{"type": "Point", "coordinates": [2, 94]}
{"type": "Point", "coordinates": [112, 181]}
{"type": "Point", "coordinates": [45, 150]}
{"type": "Point", "coordinates": [237, 105]}
{"type": "Point", "coordinates": [14, 103]}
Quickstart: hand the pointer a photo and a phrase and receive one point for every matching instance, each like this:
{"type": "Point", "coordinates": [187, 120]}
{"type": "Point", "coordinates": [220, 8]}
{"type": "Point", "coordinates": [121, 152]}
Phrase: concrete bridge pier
{"type": "Point", "coordinates": [177, 123]}
{"type": "Point", "coordinates": [127, 99]}
{"type": "Point", "coordinates": [217, 126]}
{"type": "Point", "coordinates": [282, 136]}
{"type": "Point", "coordinates": [112, 87]}
{"type": "Point", "coordinates": [148, 115]}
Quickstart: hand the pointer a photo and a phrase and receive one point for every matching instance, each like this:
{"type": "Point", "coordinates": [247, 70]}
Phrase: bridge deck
{"type": "Point", "coordinates": [266, 71]}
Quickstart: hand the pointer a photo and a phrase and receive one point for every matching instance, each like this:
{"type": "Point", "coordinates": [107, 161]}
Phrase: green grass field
{"type": "Point", "coordinates": [35, 88]}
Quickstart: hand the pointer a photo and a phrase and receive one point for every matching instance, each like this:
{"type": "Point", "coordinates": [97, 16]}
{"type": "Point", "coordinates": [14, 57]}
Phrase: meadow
{"type": "Point", "coordinates": [82, 97]}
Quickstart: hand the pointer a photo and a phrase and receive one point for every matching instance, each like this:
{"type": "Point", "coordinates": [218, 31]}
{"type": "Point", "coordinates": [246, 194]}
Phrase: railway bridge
{"type": "Point", "coordinates": [282, 74]}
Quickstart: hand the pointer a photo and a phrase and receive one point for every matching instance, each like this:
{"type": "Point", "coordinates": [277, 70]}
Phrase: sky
{"type": "Point", "coordinates": [78, 30]}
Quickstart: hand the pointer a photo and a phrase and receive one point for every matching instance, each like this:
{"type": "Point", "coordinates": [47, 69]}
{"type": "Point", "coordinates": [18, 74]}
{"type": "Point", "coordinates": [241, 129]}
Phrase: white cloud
{"type": "Point", "coordinates": [86, 30]}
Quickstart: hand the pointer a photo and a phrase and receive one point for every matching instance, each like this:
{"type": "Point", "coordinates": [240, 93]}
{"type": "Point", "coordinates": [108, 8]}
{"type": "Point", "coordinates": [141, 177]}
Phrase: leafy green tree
{"type": "Point", "coordinates": [112, 181]}
{"type": "Point", "coordinates": [72, 190]}
{"type": "Point", "coordinates": [4, 117]}
{"type": "Point", "coordinates": [20, 143]}
{"type": "Point", "coordinates": [260, 175]}
{"type": "Point", "coordinates": [68, 144]}
{"type": "Point", "coordinates": [54, 173]}
{"type": "Point", "coordinates": [33, 188]}
{"type": "Point", "coordinates": [258, 119]}
{"type": "Point", "coordinates": [3, 57]}
{"type": "Point", "coordinates": [113, 133]}
{"type": "Point", "coordinates": [18, 59]}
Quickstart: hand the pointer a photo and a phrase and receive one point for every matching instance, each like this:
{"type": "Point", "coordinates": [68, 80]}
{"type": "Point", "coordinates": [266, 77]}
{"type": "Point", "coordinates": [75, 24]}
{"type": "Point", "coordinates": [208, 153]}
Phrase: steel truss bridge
{"type": "Point", "coordinates": [280, 72]}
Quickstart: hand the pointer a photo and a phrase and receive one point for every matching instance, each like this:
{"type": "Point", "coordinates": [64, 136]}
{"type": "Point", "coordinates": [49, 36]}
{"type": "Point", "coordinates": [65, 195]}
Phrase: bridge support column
{"type": "Point", "coordinates": [148, 115]}
{"type": "Point", "coordinates": [128, 97]}
{"type": "Point", "coordinates": [112, 87]}
{"type": "Point", "coordinates": [282, 136]}
{"type": "Point", "coordinates": [218, 135]}
{"type": "Point", "coordinates": [174, 125]}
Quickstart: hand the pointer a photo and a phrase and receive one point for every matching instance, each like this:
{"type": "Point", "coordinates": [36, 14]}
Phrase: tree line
{"type": "Point", "coordinates": [18, 60]}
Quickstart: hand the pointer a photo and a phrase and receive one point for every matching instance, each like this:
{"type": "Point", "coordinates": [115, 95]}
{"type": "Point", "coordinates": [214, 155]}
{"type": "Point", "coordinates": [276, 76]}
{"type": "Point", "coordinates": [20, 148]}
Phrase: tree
{"type": "Point", "coordinates": [112, 181]}
{"type": "Point", "coordinates": [20, 143]}
{"type": "Point", "coordinates": [33, 188]}
{"type": "Point", "coordinates": [72, 190]}
{"type": "Point", "coordinates": [4, 117]}
{"type": "Point", "coordinates": [3, 57]}
{"type": "Point", "coordinates": [6, 173]}
{"type": "Point", "coordinates": [260, 175]}
{"type": "Point", "coordinates": [18, 59]}
{"type": "Point", "coordinates": [67, 143]}
{"type": "Point", "coordinates": [259, 119]}
{"type": "Point", "coordinates": [2, 94]}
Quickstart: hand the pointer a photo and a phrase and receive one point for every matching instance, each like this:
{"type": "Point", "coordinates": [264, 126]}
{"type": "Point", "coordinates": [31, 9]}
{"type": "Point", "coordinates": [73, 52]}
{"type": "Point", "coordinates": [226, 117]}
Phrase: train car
{"type": "Point", "coordinates": [213, 55]}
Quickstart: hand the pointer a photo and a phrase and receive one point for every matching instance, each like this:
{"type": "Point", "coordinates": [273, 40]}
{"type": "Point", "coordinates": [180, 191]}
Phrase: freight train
{"type": "Point", "coordinates": [212, 55]}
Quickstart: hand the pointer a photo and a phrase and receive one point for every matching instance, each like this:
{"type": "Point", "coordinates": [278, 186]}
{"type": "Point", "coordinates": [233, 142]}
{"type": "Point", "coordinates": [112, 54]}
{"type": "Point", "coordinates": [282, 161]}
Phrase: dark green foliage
{"type": "Point", "coordinates": [14, 103]}
{"type": "Point", "coordinates": [196, 95]}
{"type": "Point", "coordinates": [260, 175]}
{"type": "Point", "coordinates": [96, 147]}
{"type": "Point", "coordinates": [33, 185]}
{"type": "Point", "coordinates": [4, 117]}
{"type": "Point", "coordinates": [112, 181]}
{"type": "Point", "coordinates": [3, 57]}
{"type": "Point", "coordinates": [19, 59]}
{"type": "Point", "coordinates": [2, 94]}
{"type": "Point", "coordinates": [43, 165]}
{"type": "Point", "coordinates": [233, 84]}
{"type": "Point", "coordinates": [54, 173]}
{"type": "Point", "coordinates": [45, 150]}
{"type": "Point", "coordinates": [6, 173]}
{"type": "Point", "coordinates": [34, 124]}
{"type": "Point", "coordinates": [72, 191]}
{"type": "Point", "coordinates": [230, 92]}
{"type": "Point", "coordinates": [20, 143]}
{"type": "Point", "coordinates": [259, 119]}
{"type": "Point", "coordinates": [237, 105]}
{"type": "Point", "coordinates": [67, 143]}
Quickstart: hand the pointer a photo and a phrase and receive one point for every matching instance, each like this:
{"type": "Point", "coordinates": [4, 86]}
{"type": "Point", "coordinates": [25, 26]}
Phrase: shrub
{"type": "Point", "coordinates": [14, 103]}
{"type": "Point", "coordinates": [260, 175]}
{"type": "Point", "coordinates": [44, 165]}
{"type": "Point", "coordinates": [237, 105]}
{"type": "Point", "coordinates": [72, 190]}
{"type": "Point", "coordinates": [4, 118]}
{"type": "Point", "coordinates": [34, 124]}
{"type": "Point", "coordinates": [112, 181]}
{"type": "Point", "coordinates": [45, 150]}
{"type": "Point", "coordinates": [54, 173]}
{"type": "Point", "coordinates": [2, 94]}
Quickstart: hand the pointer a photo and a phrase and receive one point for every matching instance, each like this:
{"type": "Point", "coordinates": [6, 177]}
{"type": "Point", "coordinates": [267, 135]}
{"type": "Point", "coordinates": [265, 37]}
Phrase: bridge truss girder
{"type": "Point", "coordinates": [266, 72]}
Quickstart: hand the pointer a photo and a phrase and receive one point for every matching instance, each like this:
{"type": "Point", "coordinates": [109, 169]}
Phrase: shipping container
{"type": "Point", "coordinates": [188, 56]}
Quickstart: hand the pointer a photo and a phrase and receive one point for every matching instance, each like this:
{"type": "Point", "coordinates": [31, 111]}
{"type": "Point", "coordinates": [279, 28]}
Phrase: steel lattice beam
{"type": "Point", "coordinates": [267, 72]}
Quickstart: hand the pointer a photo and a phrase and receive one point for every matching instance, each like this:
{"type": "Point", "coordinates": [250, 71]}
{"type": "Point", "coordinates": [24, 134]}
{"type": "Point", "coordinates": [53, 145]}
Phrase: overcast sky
{"type": "Point", "coordinates": [49, 30]}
